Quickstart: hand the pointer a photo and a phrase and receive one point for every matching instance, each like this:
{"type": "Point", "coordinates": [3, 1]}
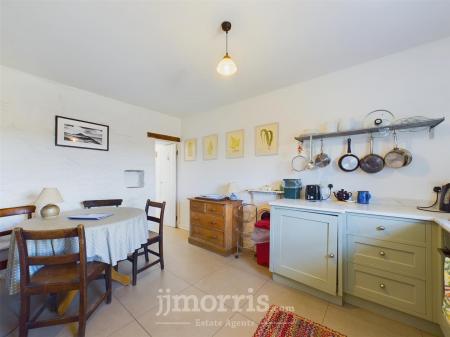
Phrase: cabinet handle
{"type": "Point", "coordinates": [382, 253]}
{"type": "Point", "coordinates": [382, 285]}
{"type": "Point", "coordinates": [331, 255]}
{"type": "Point", "coordinates": [381, 228]}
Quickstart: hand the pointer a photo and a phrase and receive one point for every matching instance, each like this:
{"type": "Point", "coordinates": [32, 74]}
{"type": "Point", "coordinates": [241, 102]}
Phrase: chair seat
{"type": "Point", "coordinates": [53, 276]}
{"type": "Point", "coordinates": [152, 237]}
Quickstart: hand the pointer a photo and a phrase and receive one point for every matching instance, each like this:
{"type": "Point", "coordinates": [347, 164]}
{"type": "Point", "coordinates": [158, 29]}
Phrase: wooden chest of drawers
{"type": "Point", "coordinates": [213, 224]}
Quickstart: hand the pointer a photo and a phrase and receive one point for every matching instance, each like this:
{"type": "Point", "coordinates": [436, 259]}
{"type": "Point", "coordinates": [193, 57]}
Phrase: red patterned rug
{"type": "Point", "coordinates": [280, 323]}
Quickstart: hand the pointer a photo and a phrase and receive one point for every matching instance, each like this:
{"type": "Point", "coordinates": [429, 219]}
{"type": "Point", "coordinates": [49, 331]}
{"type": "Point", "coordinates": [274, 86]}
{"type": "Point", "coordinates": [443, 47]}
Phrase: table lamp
{"type": "Point", "coordinates": [232, 190]}
{"type": "Point", "coordinates": [49, 197]}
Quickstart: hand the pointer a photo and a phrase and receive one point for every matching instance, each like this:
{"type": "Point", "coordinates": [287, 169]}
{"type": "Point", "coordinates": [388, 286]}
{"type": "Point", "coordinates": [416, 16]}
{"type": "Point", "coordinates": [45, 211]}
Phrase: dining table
{"type": "Point", "coordinates": [108, 240]}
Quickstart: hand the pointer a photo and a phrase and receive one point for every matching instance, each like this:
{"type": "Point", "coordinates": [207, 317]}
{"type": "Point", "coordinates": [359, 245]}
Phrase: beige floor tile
{"type": "Point", "coordinates": [232, 282]}
{"type": "Point", "coordinates": [357, 322]}
{"type": "Point", "coordinates": [247, 262]}
{"type": "Point", "coordinates": [191, 323]}
{"type": "Point", "coordinates": [106, 319]}
{"type": "Point", "coordinates": [9, 310]}
{"type": "Point", "coordinates": [238, 326]}
{"type": "Point", "coordinates": [131, 330]}
{"type": "Point", "coordinates": [194, 269]}
{"type": "Point", "coordinates": [142, 297]}
{"type": "Point", "coordinates": [301, 303]}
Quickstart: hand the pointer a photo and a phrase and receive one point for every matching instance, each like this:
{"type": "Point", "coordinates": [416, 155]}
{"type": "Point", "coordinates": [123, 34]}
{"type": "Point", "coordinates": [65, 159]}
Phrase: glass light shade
{"type": "Point", "coordinates": [226, 66]}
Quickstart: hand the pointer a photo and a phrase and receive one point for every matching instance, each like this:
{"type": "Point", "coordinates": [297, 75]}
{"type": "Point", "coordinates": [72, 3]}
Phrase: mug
{"type": "Point", "coordinates": [363, 197]}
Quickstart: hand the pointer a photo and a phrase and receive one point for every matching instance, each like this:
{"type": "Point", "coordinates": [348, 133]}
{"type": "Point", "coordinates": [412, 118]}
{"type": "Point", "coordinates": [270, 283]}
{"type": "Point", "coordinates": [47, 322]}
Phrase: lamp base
{"type": "Point", "coordinates": [49, 211]}
{"type": "Point", "coordinates": [233, 196]}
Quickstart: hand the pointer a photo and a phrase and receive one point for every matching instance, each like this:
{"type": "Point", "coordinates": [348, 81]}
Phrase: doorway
{"type": "Point", "coordinates": [166, 179]}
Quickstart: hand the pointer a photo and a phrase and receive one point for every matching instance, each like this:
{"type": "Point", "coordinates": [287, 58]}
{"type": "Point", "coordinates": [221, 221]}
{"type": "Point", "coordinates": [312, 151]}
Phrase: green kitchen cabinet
{"type": "Point", "coordinates": [304, 247]}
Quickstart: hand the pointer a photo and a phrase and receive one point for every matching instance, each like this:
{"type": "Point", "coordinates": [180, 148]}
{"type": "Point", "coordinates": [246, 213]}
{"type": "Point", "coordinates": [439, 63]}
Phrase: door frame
{"type": "Point", "coordinates": [167, 142]}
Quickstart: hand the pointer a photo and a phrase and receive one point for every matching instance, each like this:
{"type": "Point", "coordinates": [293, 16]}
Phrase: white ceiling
{"type": "Point", "coordinates": [162, 54]}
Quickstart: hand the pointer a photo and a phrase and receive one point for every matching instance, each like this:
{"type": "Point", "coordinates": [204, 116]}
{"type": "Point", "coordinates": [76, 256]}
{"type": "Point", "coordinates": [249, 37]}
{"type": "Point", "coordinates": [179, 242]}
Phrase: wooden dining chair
{"type": "Point", "coordinates": [5, 212]}
{"type": "Point", "coordinates": [153, 238]}
{"type": "Point", "coordinates": [60, 273]}
{"type": "Point", "coordinates": [101, 203]}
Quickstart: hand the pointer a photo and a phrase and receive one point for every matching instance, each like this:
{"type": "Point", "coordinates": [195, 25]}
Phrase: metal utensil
{"type": "Point", "coordinates": [348, 162]}
{"type": "Point", "coordinates": [299, 162]}
{"type": "Point", "coordinates": [397, 158]}
{"type": "Point", "coordinates": [372, 163]}
{"type": "Point", "coordinates": [322, 159]}
{"type": "Point", "coordinates": [310, 164]}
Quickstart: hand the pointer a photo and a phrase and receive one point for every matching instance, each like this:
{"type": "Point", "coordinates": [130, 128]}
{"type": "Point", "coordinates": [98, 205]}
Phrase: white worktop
{"type": "Point", "coordinates": [393, 209]}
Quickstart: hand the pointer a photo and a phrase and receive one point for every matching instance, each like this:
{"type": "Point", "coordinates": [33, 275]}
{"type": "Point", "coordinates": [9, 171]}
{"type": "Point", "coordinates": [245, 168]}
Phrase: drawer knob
{"type": "Point", "coordinates": [382, 253]}
{"type": "Point", "coordinates": [381, 228]}
{"type": "Point", "coordinates": [331, 255]}
{"type": "Point", "coordinates": [382, 285]}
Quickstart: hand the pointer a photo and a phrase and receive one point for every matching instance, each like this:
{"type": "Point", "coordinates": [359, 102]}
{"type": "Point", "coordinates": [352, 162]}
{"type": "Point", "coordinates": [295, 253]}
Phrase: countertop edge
{"type": "Point", "coordinates": [342, 208]}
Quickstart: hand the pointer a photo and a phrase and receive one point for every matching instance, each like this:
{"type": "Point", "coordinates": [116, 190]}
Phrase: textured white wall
{"type": "Point", "coordinates": [30, 160]}
{"type": "Point", "coordinates": [413, 82]}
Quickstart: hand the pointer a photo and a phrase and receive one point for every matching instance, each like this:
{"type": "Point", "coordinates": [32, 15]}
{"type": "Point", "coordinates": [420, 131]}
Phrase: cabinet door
{"type": "Point", "coordinates": [304, 247]}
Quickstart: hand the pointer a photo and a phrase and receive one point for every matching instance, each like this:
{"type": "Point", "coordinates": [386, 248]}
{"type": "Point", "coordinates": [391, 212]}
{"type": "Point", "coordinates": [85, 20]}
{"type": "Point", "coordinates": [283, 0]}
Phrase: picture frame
{"type": "Point", "coordinates": [76, 133]}
{"type": "Point", "coordinates": [190, 149]}
{"type": "Point", "coordinates": [210, 144]}
{"type": "Point", "coordinates": [266, 139]}
{"type": "Point", "coordinates": [235, 144]}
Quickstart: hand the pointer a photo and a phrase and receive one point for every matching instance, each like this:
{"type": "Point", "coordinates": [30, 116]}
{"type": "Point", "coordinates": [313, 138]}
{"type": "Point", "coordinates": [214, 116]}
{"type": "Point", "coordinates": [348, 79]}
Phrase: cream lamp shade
{"type": "Point", "coordinates": [232, 189]}
{"type": "Point", "coordinates": [49, 197]}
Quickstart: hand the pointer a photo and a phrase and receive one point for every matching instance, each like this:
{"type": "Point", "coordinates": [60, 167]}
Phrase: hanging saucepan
{"type": "Point", "coordinates": [298, 163]}
{"type": "Point", "coordinates": [348, 162]}
{"type": "Point", "coordinates": [397, 157]}
{"type": "Point", "coordinates": [322, 159]}
{"type": "Point", "coordinates": [372, 163]}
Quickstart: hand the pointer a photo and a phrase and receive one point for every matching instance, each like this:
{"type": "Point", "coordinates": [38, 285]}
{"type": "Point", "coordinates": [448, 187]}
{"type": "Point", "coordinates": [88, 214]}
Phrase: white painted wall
{"type": "Point", "coordinates": [413, 82]}
{"type": "Point", "coordinates": [30, 160]}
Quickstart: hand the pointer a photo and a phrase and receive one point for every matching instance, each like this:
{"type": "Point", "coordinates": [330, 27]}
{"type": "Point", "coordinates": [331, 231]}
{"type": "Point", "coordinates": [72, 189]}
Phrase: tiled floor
{"type": "Point", "coordinates": [195, 272]}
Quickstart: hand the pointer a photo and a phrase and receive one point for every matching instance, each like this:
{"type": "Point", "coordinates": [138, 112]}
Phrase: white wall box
{"type": "Point", "coordinates": [134, 178]}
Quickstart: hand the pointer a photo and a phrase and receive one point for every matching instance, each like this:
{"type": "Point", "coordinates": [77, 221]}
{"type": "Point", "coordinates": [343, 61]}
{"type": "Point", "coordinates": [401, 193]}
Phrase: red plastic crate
{"type": "Point", "coordinates": [263, 249]}
{"type": "Point", "coordinates": [263, 253]}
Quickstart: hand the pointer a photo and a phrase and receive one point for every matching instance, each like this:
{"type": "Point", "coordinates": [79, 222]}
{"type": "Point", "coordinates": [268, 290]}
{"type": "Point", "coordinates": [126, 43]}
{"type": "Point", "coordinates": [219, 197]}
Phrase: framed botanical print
{"type": "Point", "coordinates": [71, 132]}
{"type": "Point", "coordinates": [266, 139]}
{"type": "Point", "coordinates": [235, 144]}
{"type": "Point", "coordinates": [210, 147]}
{"type": "Point", "coordinates": [190, 149]}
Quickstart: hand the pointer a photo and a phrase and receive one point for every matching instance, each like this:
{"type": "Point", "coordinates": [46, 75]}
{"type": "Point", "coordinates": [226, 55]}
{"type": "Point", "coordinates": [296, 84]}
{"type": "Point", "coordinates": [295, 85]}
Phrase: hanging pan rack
{"type": "Point", "coordinates": [429, 123]}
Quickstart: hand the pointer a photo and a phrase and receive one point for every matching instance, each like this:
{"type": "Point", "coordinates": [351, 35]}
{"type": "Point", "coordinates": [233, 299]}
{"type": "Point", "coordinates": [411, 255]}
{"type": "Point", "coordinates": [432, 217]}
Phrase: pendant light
{"type": "Point", "coordinates": [226, 66]}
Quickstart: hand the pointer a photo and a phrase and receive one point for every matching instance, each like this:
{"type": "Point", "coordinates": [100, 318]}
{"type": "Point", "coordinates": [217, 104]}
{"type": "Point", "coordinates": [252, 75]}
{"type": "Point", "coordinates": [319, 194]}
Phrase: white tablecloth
{"type": "Point", "coordinates": [108, 240]}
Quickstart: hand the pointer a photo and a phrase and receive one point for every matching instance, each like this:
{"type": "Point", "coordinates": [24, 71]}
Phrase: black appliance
{"type": "Point", "coordinates": [312, 193]}
{"type": "Point", "coordinates": [444, 202]}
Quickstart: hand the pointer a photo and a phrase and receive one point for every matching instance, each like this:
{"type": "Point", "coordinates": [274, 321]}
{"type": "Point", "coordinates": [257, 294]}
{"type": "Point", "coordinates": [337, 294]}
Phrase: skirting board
{"type": "Point", "coordinates": [444, 325]}
{"type": "Point", "coordinates": [416, 322]}
{"type": "Point", "coordinates": [317, 293]}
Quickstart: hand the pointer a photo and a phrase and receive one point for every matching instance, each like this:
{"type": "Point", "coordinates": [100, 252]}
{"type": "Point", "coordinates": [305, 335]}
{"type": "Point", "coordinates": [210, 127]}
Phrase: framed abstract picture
{"type": "Point", "coordinates": [235, 144]}
{"type": "Point", "coordinates": [210, 147]}
{"type": "Point", "coordinates": [190, 149]}
{"type": "Point", "coordinates": [266, 139]}
{"type": "Point", "coordinates": [71, 132]}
